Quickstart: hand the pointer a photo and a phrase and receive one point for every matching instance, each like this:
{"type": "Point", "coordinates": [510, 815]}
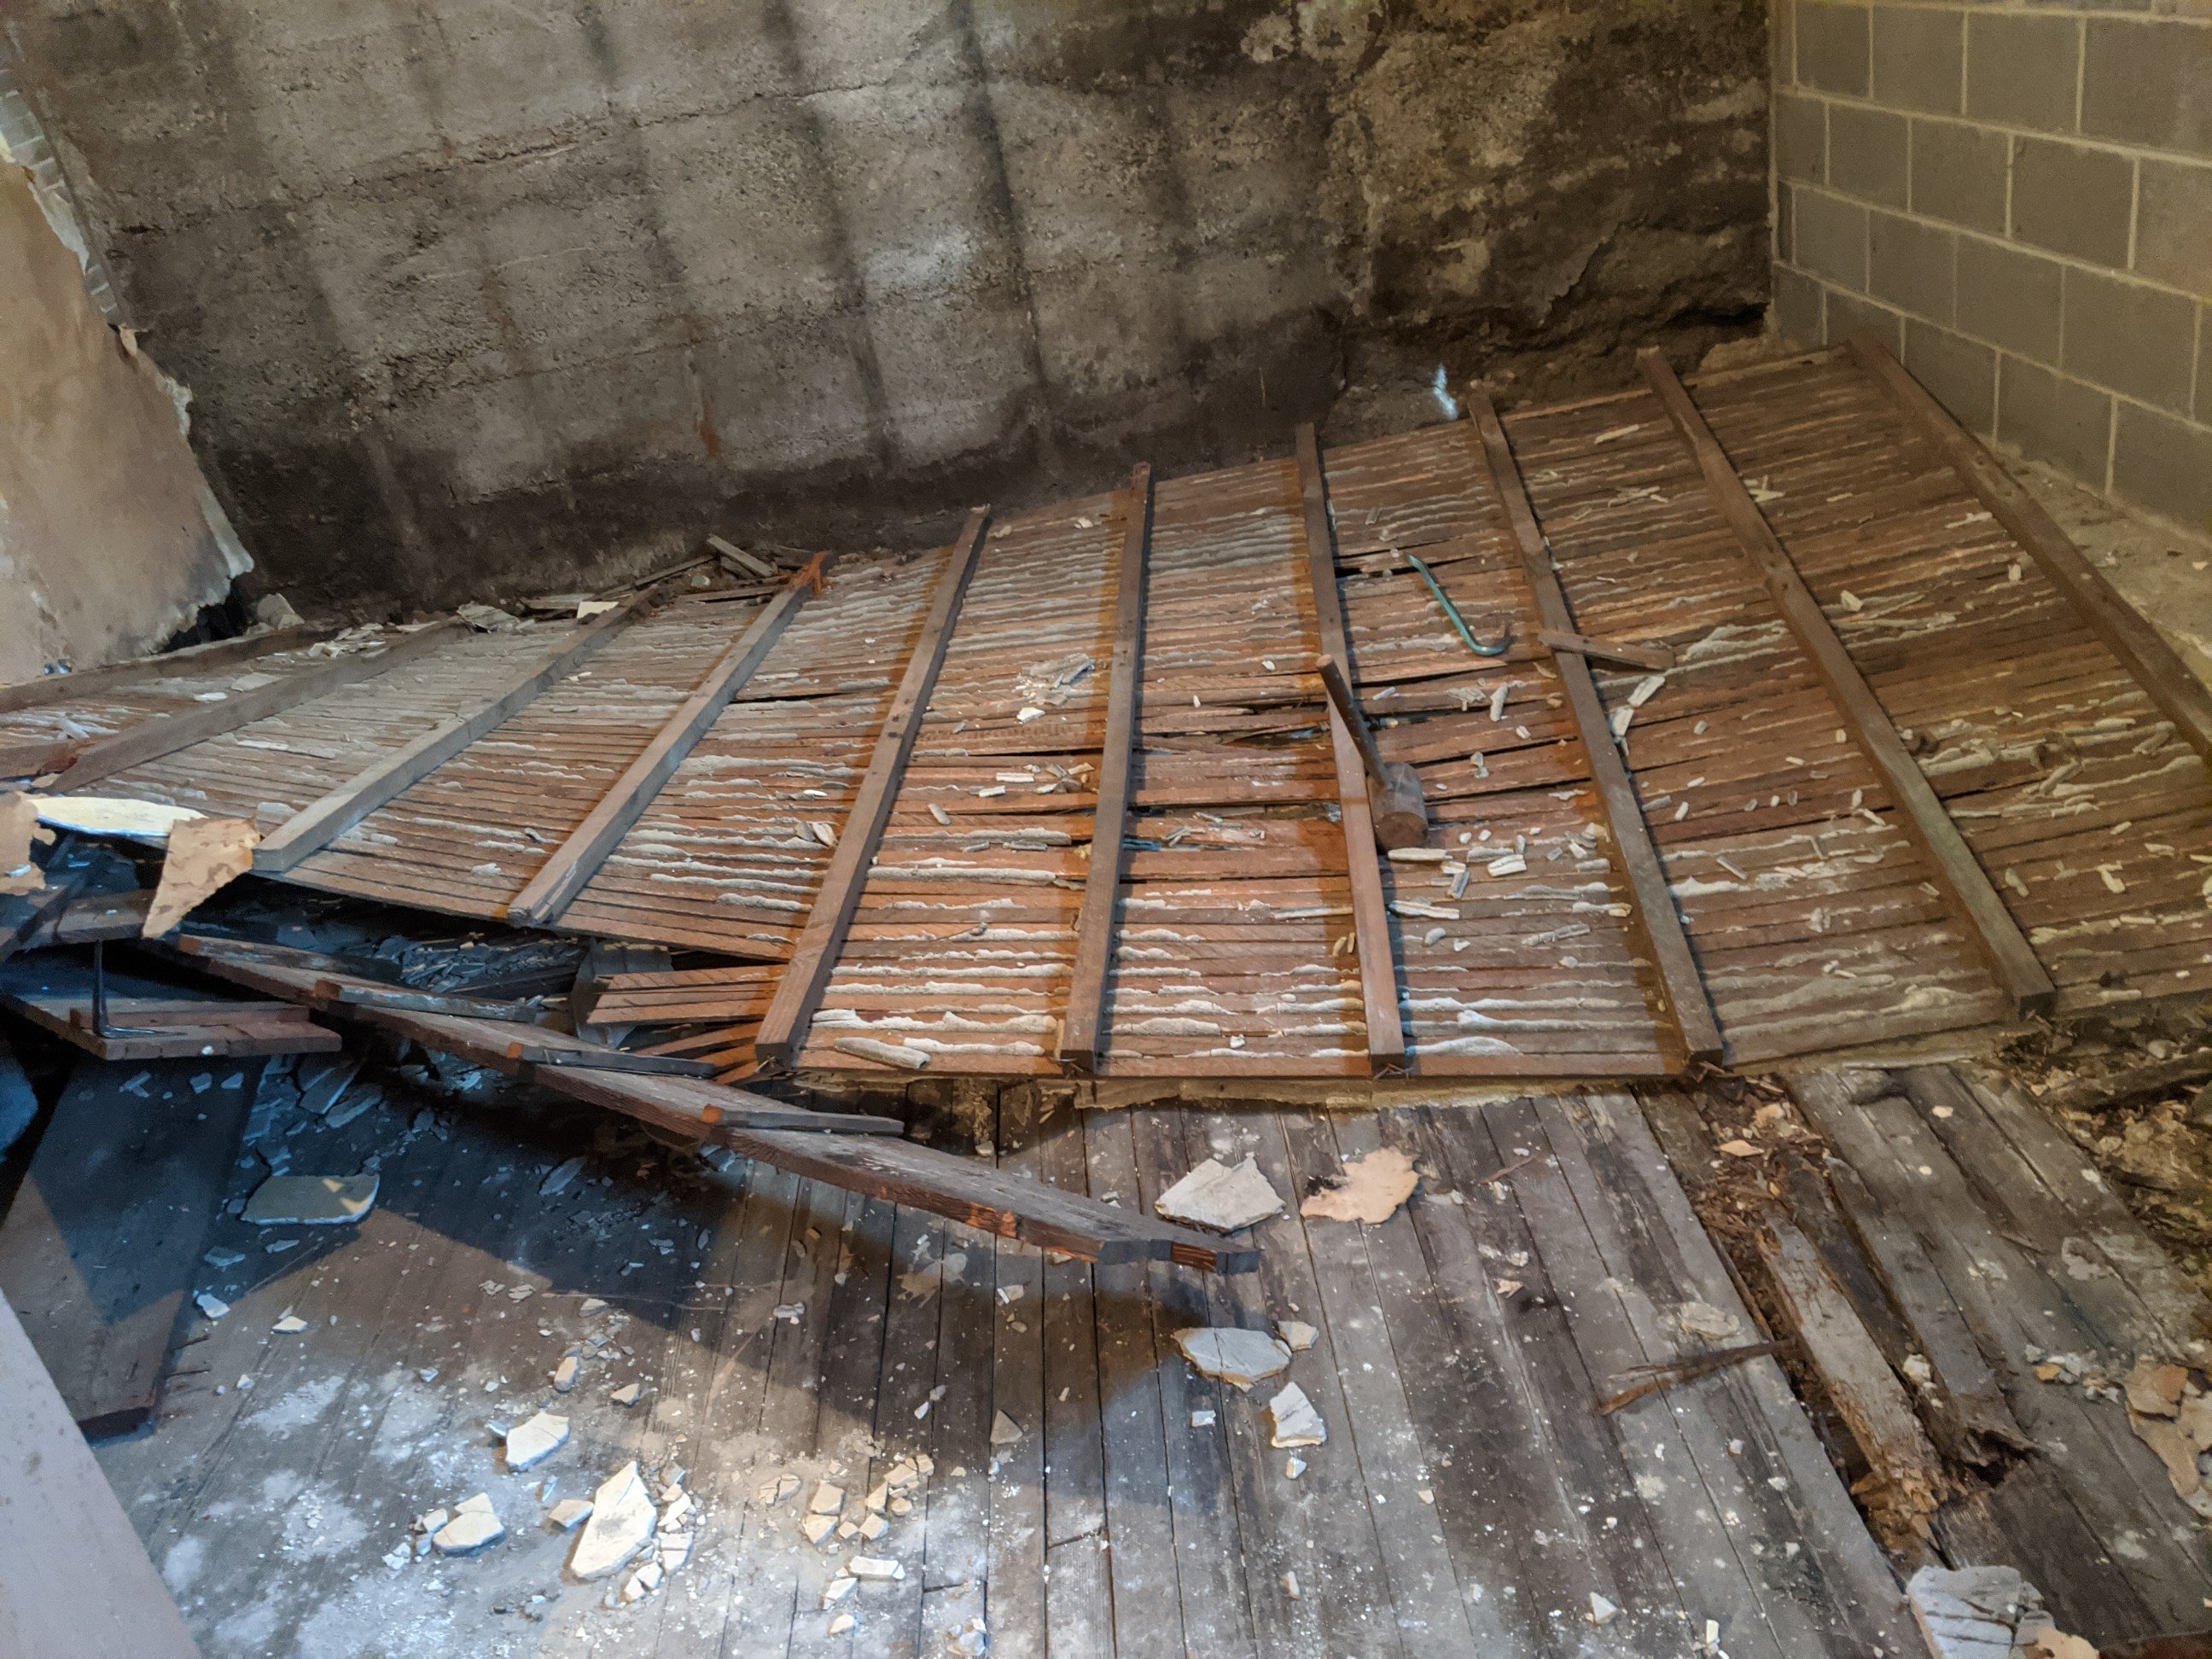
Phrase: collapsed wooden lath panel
{"type": "Point", "coordinates": [1625, 868]}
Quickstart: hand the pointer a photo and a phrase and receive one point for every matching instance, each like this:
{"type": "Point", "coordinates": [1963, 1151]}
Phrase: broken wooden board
{"type": "Point", "coordinates": [101, 1249]}
{"type": "Point", "coordinates": [57, 995]}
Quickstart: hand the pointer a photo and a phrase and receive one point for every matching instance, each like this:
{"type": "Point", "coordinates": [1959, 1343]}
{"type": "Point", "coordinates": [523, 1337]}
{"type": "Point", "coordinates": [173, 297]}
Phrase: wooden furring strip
{"type": "Point", "coordinates": [157, 738]}
{"type": "Point", "coordinates": [1082, 1041]}
{"type": "Point", "coordinates": [1370, 918]}
{"type": "Point", "coordinates": [192, 660]}
{"type": "Point", "coordinates": [814, 954]}
{"type": "Point", "coordinates": [1654, 923]}
{"type": "Point", "coordinates": [577, 860]}
{"type": "Point", "coordinates": [316, 826]}
{"type": "Point", "coordinates": [2179, 693]}
{"type": "Point", "coordinates": [1967, 891]}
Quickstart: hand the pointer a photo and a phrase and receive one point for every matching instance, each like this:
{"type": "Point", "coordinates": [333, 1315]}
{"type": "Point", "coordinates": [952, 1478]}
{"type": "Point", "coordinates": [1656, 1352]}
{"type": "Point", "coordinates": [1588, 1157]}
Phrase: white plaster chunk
{"type": "Point", "coordinates": [877, 1569]}
{"type": "Point", "coordinates": [1972, 1613]}
{"type": "Point", "coordinates": [628, 1394]}
{"type": "Point", "coordinates": [474, 1527]}
{"type": "Point", "coordinates": [311, 1200]}
{"type": "Point", "coordinates": [570, 1513]}
{"type": "Point", "coordinates": [1231, 1355]}
{"type": "Point", "coordinates": [1005, 1431]}
{"type": "Point", "coordinates": [622, 1522]}
{"type": "Point", "coordinates": [536, 1440]}
{"type": "Point", "coordinates": [1297, 1335]}
{"type": "Point", "coordinates": [1297, 1422]}
{"type": "Point", "coordinates": [564, 1374]}
{"type": "Point", "coordinates": [1222, 1197]}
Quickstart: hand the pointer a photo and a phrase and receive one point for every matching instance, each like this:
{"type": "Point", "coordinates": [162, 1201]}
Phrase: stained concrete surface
{"type": "Point", "coordinates": [479, 298]}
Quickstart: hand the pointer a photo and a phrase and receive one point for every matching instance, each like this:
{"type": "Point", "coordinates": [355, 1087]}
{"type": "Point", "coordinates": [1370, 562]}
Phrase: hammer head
{"type": "Point", "coordinates": [1400, 810]}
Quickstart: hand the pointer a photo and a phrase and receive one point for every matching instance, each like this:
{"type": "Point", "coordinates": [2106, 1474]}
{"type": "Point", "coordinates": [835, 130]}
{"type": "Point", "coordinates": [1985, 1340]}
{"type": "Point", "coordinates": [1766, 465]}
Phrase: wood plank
{"type": "Point", "coordinates": [1370, 920]}
{"type": "Point", "coordinates": [2180, 695]}
{"type": "Point", "coordinates": [1654, 923]}
{"type": "Point", "coordinates": [814, 954]}
{"type": "Point", "coordinates": [192, 660]}
{"type": "Point", "coordinates": [151, 739]}
{"type": "Point", "coordinates": [324, 820]}
{"type": "Point", "coordinates": [101, 1246]}
{"type": "Point", "coordinates": [1656, 659]}
{"type": "Point", "coordinates": [572, 865]}
{"type": "Point", "coordinates": [1968, 894]}
{"type": "Point", "coordinates": [1081, 1041]}
{"type": "Point", "coordinates": [74, 1577]}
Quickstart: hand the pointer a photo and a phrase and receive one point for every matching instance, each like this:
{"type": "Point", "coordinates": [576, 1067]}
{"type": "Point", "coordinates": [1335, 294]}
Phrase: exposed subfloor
{"type": "Point", "coordinates": [1468, 1499]}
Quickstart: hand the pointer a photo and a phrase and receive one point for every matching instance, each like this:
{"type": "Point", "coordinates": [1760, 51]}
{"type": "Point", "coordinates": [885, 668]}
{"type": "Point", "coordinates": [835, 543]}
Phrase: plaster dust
{"type": "Point", "coordinates": [489, 299]}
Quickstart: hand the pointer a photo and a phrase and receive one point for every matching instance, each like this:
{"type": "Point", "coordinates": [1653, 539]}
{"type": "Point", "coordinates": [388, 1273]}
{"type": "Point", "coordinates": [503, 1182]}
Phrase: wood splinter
{"type": "Point", "coordinates": [1655, 658]}
{"type": "Point", "coordinates": [1658, 1377]}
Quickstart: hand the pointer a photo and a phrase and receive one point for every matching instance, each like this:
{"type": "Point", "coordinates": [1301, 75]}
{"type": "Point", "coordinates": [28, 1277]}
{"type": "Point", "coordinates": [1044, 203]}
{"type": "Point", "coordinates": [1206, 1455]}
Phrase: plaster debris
{"type": "Point", "coordinates": [628, 1394]}
{"type": "Point", "coordinates": [1291, 1586]}
{"type": "Point", "coordinates": [1221, 1197]}
{"type": "Point", "coordinates": [816, 1528]}
{"type": "Point", "coordinates": [1202, 1419]}
{"type": "Point", "coordinates": [1371, 1190]}
{"type": "Point", "coordinates": [290, 1325]}
{"type": "Point", "coordinates": [570, 1513]}
{"type": "Point", "coordinates": [2154, 1386]}
{"type": "Point", "coordinates": [108, 815]}
{"type": "Point", "coordinates": [533, 1441]}
{"type": "Point", "coordinates": [558, 1178]}
{"type": "Point", "coordinates": [1297, 1335]}
{"type": "Point", "coordinates": [475, 1526]}
{"type": "Point", "coordinates": [1005, 1431]}
{"type": "Point", "coordinates": [828, 1499]}
{"type": "Point", "coordinates": [769, 1494]}
{"type": "Point", "coordinates": [1297, 1422]}
{"type": "Point", "coordinates": [839, 1587]}
{"type": "Point", "coordinates": [1601, 1612]}
{"type": "Point", "coordinates": [842, 1623]}
{"type": "Point", "coordinates": [1229, 1354]}
{"type": "Point", "coordinates": [875, 1569]}
{"type": "Point", "coordinates": [621, 1524]}
{"type": "Point", "coordinates": [211, 1305]}
{"type": "Point", "coordinates": [311, 1200]}
{"type": "Point", "coordinates": [1975, 1612]}
{"type": "Point", "coordinates": [1703, 1319]}
{"type": "Point", "coordinates": [564, 1374]}
{"type": "Point", "coordinates": [889, 1054]}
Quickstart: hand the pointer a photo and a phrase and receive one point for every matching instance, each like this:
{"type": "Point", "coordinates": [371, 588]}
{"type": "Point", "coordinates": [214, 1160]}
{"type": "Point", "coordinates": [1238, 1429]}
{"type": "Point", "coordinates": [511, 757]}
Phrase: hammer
{"type": "Point", "coordinates": [1394, 788]}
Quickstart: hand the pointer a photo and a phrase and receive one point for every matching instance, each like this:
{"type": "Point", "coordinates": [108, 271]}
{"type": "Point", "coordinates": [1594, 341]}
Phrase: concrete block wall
{"type": "Point", "coordinates": [2019, 200]}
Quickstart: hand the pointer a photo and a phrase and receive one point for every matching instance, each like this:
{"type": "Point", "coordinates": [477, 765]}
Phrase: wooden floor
{"type": "Point", "coordinates": [1467, 1501]}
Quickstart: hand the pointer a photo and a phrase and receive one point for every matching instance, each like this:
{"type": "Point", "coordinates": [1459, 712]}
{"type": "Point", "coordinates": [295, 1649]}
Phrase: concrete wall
{"type": "Point", "coordinates": [476, 294]}
{"type": "Point", "coordinates": [2021, 199]}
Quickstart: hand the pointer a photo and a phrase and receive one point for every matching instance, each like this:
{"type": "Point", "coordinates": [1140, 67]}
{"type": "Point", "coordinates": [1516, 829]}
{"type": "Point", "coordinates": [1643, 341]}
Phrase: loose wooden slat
{"type": "Point", "coordinates": [1968, 894]}
{"type": "Point", "coordinates": [783, 1031]}
{"type": "Point", "coordinates": [1657, 658]}
{"type": "Point", "coordinates": [151, 740]}
{"type": "Point", "coordinates": [1370, 920]}
{"type": "Point", "coordinates": [316, 826]}
{"type": "Point", "coordinates": [572, 863]}
{"type": "Point", "coordinates": [1080, 1039]}
{"type": "Point", "coordinates": [193, 660]}
{"type": "Point", "coordinates": [2184, 698]}
{"type": "Point", "coordinates": [1653, 919]}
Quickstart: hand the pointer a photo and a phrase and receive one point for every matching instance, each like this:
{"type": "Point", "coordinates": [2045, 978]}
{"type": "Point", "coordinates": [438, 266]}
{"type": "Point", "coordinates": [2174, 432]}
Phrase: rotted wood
{"type": "Point", "coordinates": [814, 954]}
{"type": "Point", "coordinates": [321, 822]}
{"type": "Point", "coordinates": [572, 863]}
{"type": "Point", "coordinates": [151, 739]}
{"type": "Point", "coordinates": [192, 660]}
{"type": "Point", "coordinates": [2179, 693]}
{"type": "Point", "coordinates": [1654, 923]}
{"type": "Point", "coordinates": [1370, 918]}
{"type": "Point", "coordinates": [1081, 1037]}
{"type": "Point", "coordinates": [1967, 892]}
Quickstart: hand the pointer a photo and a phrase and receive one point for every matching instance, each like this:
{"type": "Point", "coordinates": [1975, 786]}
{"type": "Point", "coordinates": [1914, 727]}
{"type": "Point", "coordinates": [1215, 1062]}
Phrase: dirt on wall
{"type": "Point", "coordinates": [477, 297]}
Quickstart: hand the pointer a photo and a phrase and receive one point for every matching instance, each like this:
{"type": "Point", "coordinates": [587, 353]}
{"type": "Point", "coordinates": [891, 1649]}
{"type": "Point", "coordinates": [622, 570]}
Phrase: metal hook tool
{"type": "Point", "coordinates": [1459, 622]}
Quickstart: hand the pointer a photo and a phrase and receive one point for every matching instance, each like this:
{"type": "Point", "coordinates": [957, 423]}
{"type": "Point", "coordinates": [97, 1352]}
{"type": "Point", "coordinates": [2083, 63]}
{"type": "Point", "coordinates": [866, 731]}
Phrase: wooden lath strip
{"type": "Point", "coordinates": [192, 660]}
{"type": "Point", "coordinates": [577, 860]}
{"type": "Point", "coordinates": [2179, 693]}
{"type": "Point", "coordinates": [1967, 891]}
{"type": "Point", "coordinates": [814, 954]}
{"type": "Point", "coordinates": [1654, 924]}
{"type": "Point", "coordinates": [106, 757]}
{"type": "Point", "coordinates": [316, 826]}
{"type": "Point", "coordinates": [1371, 916]}
{"type": "Point", "coordinates": [1082, 1040]}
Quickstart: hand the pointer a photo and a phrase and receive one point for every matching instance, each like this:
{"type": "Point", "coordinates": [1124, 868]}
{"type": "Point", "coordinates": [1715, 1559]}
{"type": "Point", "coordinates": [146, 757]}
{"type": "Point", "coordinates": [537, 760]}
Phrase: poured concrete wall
{"type": "Point", "coordinates": [2020, 199]}
{"type": "Point", "coordinates": [475, 295]}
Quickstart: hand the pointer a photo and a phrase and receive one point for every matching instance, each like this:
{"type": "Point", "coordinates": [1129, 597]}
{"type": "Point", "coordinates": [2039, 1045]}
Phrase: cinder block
{"type": "Point", "coordinates": [1830, 237]}
{"type": "Point", "coordinates": [1867, 152]}
{"type": "Point", "coordinates": [1918, 52]}
{"type": "Point", "coordinates": [2073, 200]}
{"type": "Point", "coordinates": [1782, 41]}
{"type": "Point", "coordinates": [2055, 419]}
{"type": "Point", "coordinates": [1799, 311]}
{"type": "Point", "coordinates": [1913, 266]}
{"type": "Point", "coordinates": [1961, 372]}
{"type": "Point", "coordinates": [2164, 464]}
{"type": "Point", "coordinates": [2022, 69]}
{"type": "Point", "coordinates": [1849, 314]}
{"type": "Point", "coordinates": [2148, 81]}
{"type": "Point", "coordinates": [2011, 298]}
{"type": "Point", "coordinates": [1800, 139]}
{"type": "Point", "coordinates": [1959, 174]}
{"type": "Point", "coordinates": [1833, 47]}
{"type": "Point", "coordinates": [2129, 337]}
{"type": "Point", "coordinates": [2174, 224]}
